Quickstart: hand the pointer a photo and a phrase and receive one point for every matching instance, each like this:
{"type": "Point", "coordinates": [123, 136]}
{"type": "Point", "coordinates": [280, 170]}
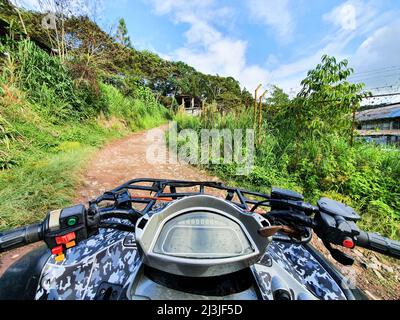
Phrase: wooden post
{"type": "Point", "coordinates": [353, 127]}
{"type": "Point", "coordinates": [255, 105]}
{"type": "Point", "coordinates": [260, 116]}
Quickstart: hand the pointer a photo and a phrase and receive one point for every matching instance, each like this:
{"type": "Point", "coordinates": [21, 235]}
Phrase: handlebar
{"type": "Point", "coordinates": [332, 229]}
{"type": "Point", "coordinates": [377, 243]}
{"type": "Point", "coordinates": [21, 237]}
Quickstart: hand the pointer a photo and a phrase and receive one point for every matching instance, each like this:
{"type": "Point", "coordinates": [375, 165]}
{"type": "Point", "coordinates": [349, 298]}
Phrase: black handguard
{"type": "Point", "coordinates": [21, 237]}
{"type": "Point", "coordinates": [377, 243]}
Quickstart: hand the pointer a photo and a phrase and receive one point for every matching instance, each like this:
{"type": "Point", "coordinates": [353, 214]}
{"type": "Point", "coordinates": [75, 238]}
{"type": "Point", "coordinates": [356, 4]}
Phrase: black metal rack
{"type": "Point", "coordinates": [162, 189]}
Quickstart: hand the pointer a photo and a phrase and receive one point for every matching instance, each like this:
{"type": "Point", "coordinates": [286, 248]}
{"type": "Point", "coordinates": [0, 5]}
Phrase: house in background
{"type": "Point", "coordinates": [40, 42]}
{"type": "Point", "coordinates": [193, 105]}
{"type": "Point", "coordinates": [380, 125]}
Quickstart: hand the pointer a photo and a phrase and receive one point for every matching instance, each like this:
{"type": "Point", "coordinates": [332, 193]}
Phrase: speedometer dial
{"type": "Point", "coordinates": [202, 235]}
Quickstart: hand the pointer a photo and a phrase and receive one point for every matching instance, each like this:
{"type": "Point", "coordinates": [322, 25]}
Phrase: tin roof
{"type": "Point", "coordinates": [390, 112]}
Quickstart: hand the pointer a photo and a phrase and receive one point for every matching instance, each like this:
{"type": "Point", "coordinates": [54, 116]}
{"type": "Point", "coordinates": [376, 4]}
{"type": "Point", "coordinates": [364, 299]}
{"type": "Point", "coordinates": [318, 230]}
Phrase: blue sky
{"type": "Point", "coordinates": [266, 41]}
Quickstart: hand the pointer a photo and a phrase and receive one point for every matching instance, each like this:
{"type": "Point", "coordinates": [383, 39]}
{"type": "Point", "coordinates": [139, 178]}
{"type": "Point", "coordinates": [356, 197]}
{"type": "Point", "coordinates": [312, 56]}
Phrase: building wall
{"type": "Point", "coordinates": [389, 124]}
{"type": "Point", "coordinates": [393, 140]}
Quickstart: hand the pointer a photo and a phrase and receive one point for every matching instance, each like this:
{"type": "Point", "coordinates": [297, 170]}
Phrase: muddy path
{"type": "Point", "coordinates": [125, 159]}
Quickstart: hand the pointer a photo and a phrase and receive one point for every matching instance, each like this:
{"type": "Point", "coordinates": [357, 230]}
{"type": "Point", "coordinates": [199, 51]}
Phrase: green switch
{"type": "Point", "coordinates": [72, 221]}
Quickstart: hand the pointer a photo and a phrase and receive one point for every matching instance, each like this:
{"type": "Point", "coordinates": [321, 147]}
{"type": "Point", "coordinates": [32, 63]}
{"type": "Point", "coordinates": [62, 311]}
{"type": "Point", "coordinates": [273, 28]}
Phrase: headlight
{"type": "Point", "coordinates": [202, 235]}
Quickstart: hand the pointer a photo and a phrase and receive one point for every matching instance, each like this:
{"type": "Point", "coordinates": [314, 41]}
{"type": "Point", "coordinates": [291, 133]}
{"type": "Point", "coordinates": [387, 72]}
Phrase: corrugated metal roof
{"type": "Point", "coordinates": [395, 114]}
{"type": "Point", "coordinates": [379, 113]}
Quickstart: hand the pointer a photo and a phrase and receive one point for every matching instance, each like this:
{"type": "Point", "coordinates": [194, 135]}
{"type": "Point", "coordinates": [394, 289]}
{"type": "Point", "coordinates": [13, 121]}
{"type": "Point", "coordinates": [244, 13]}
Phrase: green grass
{"type": "Point", "coordinates": [30, 191]}
{"type": "Point", "coordinates": [364, 176]}
{"type": "Point", "coordinates": [136, 113]}
{"type": "Point", "coordinates": [43, 151]}
{"type": "Point", "coordinates": [46, 164]}
{"type": "Point", "coordinates": [44, 160]}
{"type": "Point", "coordinates": [49, 127]}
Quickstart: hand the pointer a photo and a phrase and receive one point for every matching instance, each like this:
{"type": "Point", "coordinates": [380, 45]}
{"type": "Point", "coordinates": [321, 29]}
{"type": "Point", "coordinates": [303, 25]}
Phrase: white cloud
{"type": "Point", "coordinates": [352, 20]}
{"type": "Point", "coordinates": [252, 76]}
{"type": "Point", "coordinates": [200, 32]}
{"type": "Point", "coordinates": [210, 51]}
{"type": "Point", "coordinates": [380, 53]}
{"type": "Point", "coordinates": [380, 49]}
{"type": "Point", "coordinates": [28, 4]}
{"type": "Point", "coordinates": [162, 7]}
{"type": "Point", "coordinates": [91, 8]}
{"type": "Point", "coordinates": [206, 48]}
{"type": "Point", "coordinates": [344, 16]}
{"type": "Point", "coordinates": [275, 14]}
{"type": "Point", "coordinates": [214, 53]}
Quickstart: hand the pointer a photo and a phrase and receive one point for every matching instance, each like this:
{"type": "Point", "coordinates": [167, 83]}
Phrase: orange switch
{"type": "Point", "coordinates": [70, 245]}
{"type": "Point", "coordinates": [60, 258]}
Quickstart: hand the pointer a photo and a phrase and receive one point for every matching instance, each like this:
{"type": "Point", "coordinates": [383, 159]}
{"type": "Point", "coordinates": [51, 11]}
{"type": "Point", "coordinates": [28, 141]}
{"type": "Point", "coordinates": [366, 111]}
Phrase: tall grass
{"type": "Point", "coordinates": [136, 113]}
{"type": "Point", "coordinates": [49, 126]}
{"type": "Point", "coordinates": [30, 191]}
{"type": "Point", "coordinates": [364, 176]}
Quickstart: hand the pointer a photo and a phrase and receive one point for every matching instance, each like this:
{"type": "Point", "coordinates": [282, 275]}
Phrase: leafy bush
{"type": "Point", "coordinates": [306, 147]}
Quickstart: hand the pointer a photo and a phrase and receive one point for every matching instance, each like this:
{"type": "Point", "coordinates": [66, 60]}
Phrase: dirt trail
{"type": "Point", "coordinates": [117, 163]}
{"type": "Point", "coordinates": [125, 159]}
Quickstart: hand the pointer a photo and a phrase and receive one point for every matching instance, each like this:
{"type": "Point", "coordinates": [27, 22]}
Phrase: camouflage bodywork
{"type": "Point", "coordinates": [293, 262]}
{"type": "Point", "coordinates": [112, 257]}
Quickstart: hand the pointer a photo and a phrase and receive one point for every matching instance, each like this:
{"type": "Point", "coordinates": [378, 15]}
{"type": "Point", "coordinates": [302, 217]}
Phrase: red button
{"type": "Point", "coordinates": [66, 239]}
{"type": "Point", "coordinates": [349, 243]}
{"type": "Point", "coordinates": [57, 250]}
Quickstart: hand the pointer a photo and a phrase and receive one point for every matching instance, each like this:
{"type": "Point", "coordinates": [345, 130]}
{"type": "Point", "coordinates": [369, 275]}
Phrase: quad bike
{"type": "Point", "coordinates": [160, 239]}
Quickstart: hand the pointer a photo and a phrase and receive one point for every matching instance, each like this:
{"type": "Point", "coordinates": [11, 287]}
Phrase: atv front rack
{"type": "Point", "coordinates": [333, 222]}
{"type": "Point", "coordinates": [169, 190]}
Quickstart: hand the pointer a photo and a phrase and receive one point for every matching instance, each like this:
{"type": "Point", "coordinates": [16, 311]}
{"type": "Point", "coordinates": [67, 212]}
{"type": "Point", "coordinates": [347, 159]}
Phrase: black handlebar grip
{"type": "Point", "coordinates": [377, 243]}
{"type": "Point", "coordinates": [20, 237]}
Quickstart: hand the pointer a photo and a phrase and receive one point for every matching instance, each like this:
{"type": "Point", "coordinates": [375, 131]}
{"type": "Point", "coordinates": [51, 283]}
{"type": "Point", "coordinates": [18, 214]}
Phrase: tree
{"type": "Point", "coordinates": [327, 100]}
{"type": "Point", "coordinates": [122, 34]}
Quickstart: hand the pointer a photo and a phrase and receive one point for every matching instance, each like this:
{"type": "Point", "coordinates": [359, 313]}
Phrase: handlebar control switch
{"type": "Point", "coordinates": [66, 239]}
{"type": "Point", "coordinates": [336, 224]}
{"type": "Point", "coordinates": [57, 250]}
{"type": "Point", "coordinates": [64, 229]}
